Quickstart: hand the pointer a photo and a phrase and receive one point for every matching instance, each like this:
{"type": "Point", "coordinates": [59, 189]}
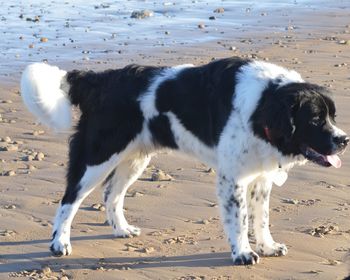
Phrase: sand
{"type": "Point", "coordinates": [182, 236]}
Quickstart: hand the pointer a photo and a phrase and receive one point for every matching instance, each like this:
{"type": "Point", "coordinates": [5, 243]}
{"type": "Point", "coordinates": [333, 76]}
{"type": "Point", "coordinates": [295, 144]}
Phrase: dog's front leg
{"type": "Point", "coordinates": [232, 196]}
{"type": "Point", "coordinates": [259, 197]}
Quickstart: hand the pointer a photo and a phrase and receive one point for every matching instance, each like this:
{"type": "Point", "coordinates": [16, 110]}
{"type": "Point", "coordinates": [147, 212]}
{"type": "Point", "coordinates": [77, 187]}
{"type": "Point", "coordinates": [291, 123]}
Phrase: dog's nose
{"type": "Point", "coordinates": [341, 140]}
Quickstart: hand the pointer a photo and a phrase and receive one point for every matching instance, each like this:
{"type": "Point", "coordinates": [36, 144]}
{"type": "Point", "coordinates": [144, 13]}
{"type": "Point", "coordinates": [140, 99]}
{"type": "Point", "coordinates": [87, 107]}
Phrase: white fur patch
{"type": "Point", "coordinates": [42, 94]}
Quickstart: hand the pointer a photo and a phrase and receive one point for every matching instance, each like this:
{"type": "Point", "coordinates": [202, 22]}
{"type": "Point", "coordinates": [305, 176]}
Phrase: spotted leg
{"type": "Point", "coordinates": [117, 185]}
{"type": "Point", "coordinates": [233, 206]}
{"type": "Point", "coordinates": [259, 213]}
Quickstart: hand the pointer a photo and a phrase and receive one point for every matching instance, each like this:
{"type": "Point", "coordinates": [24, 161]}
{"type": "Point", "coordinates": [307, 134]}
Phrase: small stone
{"type": "Point", "coordinates": [10, 173]}
{"type": "Point", "coordinates": [212, 18]}
{"type": "Point", "coordinates": [142, 14]}
{"type": "Point", "coordinates": [232, 48]}
{"type": "Point", "coordinates": [11, 206]}
{"type": "Point", "coordinates": [31, 46]}
{"type": "Point", "coordinates": [333, 262]}
{"type": "Point", "coordinates": [136, 194]}
{"type": "Point", "coordinates": [39, 156]}
{"type": "Point", "coordinates": [219, 10]}
{"type": "Point", "coordinates": [148, 250]}
{"type": "Point", "coordinates": [7, 232]}
{"type": "Point", "coordinates": [290, 201]}
{"type": "Point", "coordinates": [44, 39]}
{"type": "Point", "coordinates": [38, 132]}
{"type": "Point", "coordinates": [167, 33]}
{"type": "Point", "coordinates": [211, 171]}
{"type": "Point", "coordinates": [159, 175]}
{"type": "Point", "coordinates": [99, 207]}
{"type": "Point", "coordinates": [213, 204]}
{"type": "Point", "coordinates": [6, 139]}
{"type": "Point", "coordinates": [28, 158]}
{"type": "Point", "coordinates": [46, 270]}
{"type": "Point", "coordinates": [344, 42]}
{"type": "Point", "coordinates": [201, 26]}
{"type": "Point", "coordinates": [205, 222]}
{"type": "Point", "coordinates": [11, 148]}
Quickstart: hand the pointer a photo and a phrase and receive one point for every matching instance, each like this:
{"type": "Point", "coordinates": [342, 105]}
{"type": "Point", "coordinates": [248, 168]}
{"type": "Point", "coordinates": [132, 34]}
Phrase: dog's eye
{"type": "Point", "coordinates": [317, 121]}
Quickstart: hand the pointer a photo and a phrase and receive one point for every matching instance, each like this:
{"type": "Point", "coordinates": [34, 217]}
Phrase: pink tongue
{"type": "Point", "coordinates": [334, 160]}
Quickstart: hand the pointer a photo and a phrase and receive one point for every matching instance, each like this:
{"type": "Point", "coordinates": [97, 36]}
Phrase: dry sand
{"type": "Point", "coordinates": [182, 236]}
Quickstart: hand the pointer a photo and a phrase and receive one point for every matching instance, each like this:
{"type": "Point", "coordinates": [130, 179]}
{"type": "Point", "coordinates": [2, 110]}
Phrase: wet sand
{"type": "Point", "coordinates": [182, 236]}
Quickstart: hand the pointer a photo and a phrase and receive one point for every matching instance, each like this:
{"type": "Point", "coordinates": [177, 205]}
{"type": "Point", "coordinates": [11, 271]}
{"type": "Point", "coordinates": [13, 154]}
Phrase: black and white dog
{"type": "Point", "coordinates": [250, 120]}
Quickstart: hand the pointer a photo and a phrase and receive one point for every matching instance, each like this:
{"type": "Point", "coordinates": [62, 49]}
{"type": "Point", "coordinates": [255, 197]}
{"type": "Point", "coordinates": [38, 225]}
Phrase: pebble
{"type": "Point", "coordinates": [201, 26]}
{"type": "Point", "coordinates": [320, 231]}
{"type": "Point", "coordinates": [136, 194]}
{"type": "Point", "coordinates": [10, 206]}
{"type": "Point", "coordinates": [11, 148]}
{"type": "Point", "coordinates": [148, 250]}
{"type": "Point", "coordinates": [99, 207]}
{"type": "Point", "coordinates": [219, 10]}
{"type": "Point", "coordinates": [7, 101]}
{"type": "Point", "coordinates": [10, 173]}
{"type": "Point", "coordinates": [7, 232]}
{"type": "Point", "coordinates": [38, 132]}
{"type": "Point", "coordinates": [290, 201]}
{"type": "Point", "coordinates": [46, 270]}
{"type": "Point", "coordinates": [333, 262]}
{"type": "Point", "coordinates": [142, 14]}
{"type": "Point", "coordinates": [28, 158]}
{"type": "Point", "coordinates": [232, 48]}
{"type": "Point", "coordinates": [39, 156]}
{"type": "Point", "coordinates": [344, 42]}
{"type": "Point", "coordinates": [6, 139]}
{"type": "Point", "coordinates": [159, 175]}
{"type": "Point", "coordinates": [211, 171]}
{"type": "Point", "coordinates": [31, 46]}
{"type": "Point", "coordinates": [213, 204]}
{"type": "Point", "coordinates": [212, 18]}
{"type": "Point", "coordinates": [44, 39]}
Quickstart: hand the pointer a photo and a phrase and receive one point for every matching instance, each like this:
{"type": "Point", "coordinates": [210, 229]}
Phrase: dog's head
{"type": "Point", "coordinates": [299, 118]}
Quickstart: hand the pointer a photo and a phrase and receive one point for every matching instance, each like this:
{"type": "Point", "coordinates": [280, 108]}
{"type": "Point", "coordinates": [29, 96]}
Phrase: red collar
{"type": "Point", "coordinates": [268, 134]}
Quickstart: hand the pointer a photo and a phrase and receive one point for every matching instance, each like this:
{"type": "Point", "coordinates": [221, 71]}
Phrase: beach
{"type": "Point", "coordinates": [182, 235]}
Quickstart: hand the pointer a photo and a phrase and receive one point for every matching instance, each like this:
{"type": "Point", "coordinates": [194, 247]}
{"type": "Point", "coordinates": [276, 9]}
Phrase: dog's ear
{"type": "Point", "coordinates": [279, 120]}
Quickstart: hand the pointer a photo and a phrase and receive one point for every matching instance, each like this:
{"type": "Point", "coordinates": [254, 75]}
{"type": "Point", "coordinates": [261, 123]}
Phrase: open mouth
{"type": "Point", "coordinates": [320, 159]}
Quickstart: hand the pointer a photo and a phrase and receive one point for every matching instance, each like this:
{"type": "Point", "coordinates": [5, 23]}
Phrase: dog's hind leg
{"type": "Point", "coordinates": [116, 186]}
{"type": "Point", "coordinates": [81, 180]}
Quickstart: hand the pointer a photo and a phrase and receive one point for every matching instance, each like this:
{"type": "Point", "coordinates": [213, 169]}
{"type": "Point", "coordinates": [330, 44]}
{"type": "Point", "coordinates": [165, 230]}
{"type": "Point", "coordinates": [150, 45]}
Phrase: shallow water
{"type": "Point", "coordinates": [83, 29]}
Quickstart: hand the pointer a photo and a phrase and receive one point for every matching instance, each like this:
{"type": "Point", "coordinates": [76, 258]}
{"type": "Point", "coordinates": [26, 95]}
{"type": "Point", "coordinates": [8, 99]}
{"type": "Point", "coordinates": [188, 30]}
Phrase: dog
{"type": "Point", "coordinates": [250, 120]}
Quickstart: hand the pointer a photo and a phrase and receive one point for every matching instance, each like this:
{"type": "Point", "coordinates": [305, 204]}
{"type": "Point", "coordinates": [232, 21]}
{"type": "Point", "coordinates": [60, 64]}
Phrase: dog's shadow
{"type": "Point", "coordinates": [36, 260]}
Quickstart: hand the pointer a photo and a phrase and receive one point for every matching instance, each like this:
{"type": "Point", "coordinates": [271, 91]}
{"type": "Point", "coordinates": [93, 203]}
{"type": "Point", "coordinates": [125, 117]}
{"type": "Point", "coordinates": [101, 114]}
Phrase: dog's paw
{"type": "Point", "coordinates": [128, 231]}
{"type": "Point", "coordinates": [246, 258]}
{"type": "Point", "coordinates": [60, 247]}
{"type": "Point", "coordinates": [274, 250]}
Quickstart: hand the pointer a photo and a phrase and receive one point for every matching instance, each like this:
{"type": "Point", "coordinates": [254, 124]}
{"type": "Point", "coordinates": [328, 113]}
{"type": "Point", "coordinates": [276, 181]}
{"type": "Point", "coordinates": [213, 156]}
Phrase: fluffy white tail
{"type": "Point", "coordinates": [42, 93]}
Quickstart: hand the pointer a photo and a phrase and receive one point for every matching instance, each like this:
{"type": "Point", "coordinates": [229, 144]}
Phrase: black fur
{"type": "Point", "coordinates": [111, 117]}
{"type": "Point", "coordinates": [161, 132]}
{"type": "Point", "coordinates": [201, 97]}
